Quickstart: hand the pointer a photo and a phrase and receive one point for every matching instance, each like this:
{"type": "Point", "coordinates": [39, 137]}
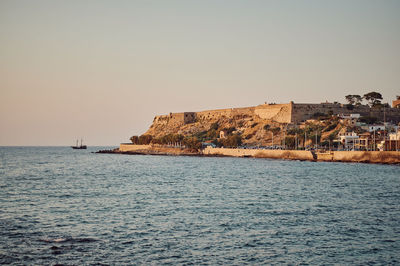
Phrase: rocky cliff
{"type": "Point", "coordinates": [251, 123]}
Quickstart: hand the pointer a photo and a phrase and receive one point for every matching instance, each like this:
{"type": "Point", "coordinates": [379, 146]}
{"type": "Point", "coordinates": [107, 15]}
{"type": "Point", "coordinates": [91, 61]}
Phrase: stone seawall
{"type": "Point", "coordinates": [274, 154]}
{"type": "Point", "coordinates": [390, 157]}
{"type": "Point", "coordinates": [126, 147]}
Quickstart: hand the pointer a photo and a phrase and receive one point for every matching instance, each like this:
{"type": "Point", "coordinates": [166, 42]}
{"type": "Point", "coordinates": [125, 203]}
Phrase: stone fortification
{"type": "Point", "coordinates": [249, 120]}
{"type": "Point", "coordinates": [302, 112]}
{"type": "Point", "coordinates": [241, 118]}
{"type": "Point", "coordinates": [282, 113]}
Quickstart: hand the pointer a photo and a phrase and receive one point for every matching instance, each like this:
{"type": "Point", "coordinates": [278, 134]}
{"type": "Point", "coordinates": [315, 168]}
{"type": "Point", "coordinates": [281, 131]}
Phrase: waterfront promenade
{"type": "Point", "coordinates": [387, 157]}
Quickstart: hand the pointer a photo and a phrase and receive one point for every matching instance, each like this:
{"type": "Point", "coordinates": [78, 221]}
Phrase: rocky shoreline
{"type": "Point", "coordinates": [159, 151]}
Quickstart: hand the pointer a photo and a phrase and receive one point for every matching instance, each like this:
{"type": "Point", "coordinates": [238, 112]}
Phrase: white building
{"type": "Point", "coordinates": [348, 140]}
{"type": "Point", "coordinates": [394, 136]}
{"type": "Point", "coordinates": [350, 119]}
{"type": "Point", "coordinates": [373, 128]}
{"type": "Point", "coordinates": [351, 116]}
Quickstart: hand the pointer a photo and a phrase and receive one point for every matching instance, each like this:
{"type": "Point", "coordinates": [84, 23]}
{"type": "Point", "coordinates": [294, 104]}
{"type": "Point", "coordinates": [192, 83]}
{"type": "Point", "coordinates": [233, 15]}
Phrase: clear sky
{"type": "Point", "coordinates": [101, 70]}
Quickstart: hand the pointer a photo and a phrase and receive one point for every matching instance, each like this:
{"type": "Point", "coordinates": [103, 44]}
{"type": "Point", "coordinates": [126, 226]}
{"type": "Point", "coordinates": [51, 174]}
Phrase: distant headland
{"type": "Point", "coordinates": [305, 131]}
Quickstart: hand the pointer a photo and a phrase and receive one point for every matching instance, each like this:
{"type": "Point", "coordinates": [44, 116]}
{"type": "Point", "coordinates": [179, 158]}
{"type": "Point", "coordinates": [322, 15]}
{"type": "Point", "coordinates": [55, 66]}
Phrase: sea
{"type": "Point", "coordinates": [60, 206]}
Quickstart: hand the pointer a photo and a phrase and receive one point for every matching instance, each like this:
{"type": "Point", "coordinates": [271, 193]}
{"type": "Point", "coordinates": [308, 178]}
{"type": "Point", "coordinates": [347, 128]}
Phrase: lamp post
{"type": "Point", "coordinates": [305, 138]}
{"type": "Point", "coordinates": [284, 139]}
{"type": "Point", "coordinates": [374, 140]}
{"type": "Point", "coordinates": [272, 139]}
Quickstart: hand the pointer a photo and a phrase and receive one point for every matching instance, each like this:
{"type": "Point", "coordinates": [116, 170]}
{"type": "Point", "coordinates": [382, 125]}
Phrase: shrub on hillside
{"type": "Point", "coordinates": [214, 126]}
{"type": "Point", "coordinates": [134, 139]}
{"type": "Point", "coordinates": [232, 141]}
{"type": "Point", "coordinates": [253, 125]}
{"type": "Point", "coordinates": [192, 143]}
{"type": "Point", "coordinates": [145, 139]}
{"type": "Point", "coordinates": [276, 130]}
{"type": "Point", "coordinates": [330, 127]}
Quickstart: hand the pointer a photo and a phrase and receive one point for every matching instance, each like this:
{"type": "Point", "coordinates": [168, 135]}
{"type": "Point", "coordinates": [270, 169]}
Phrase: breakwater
{"type": "Point", "coordinates": [390, 157]}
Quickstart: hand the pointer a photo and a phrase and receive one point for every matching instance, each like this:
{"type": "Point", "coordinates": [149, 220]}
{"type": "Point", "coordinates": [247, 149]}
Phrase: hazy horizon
{"type": "Point", "coordinates": [101, 70]}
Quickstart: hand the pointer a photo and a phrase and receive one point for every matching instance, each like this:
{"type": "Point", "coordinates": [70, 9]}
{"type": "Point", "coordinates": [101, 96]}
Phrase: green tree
{"type": "Point", "coordinates": [312, 137]}
{"type": "Point", "coordinates": [145, 139]}
{"type": "Point", "coordinates": [229, 130]}
{"type": "Point", "coordinates": [135, 139]}
{"type": "Point", "coordinates": [290, 142]}
{"type": "Point", "coordinates": [214, 126]}
{"type": "Point", "coordinates": [374, 98]}
{"type": "Point", "coordinates": [212, 134]}
{"type": "Point", "coordinates": [353, 99]}
{"type": "Point", "coordinates": [232, 141]}
{"type": "Point", "coordinates": [350, 99]}
{"type": "Point", "coordinates": [294, 131]}
{"type": "Point", "coordinates": [333, 136]}
{"type": "Point", "coordinates": [357, 99]}
{"type": "Point", "coordinates": [192, 143]}
{"type": "Point", "coordinates": [276, 130]}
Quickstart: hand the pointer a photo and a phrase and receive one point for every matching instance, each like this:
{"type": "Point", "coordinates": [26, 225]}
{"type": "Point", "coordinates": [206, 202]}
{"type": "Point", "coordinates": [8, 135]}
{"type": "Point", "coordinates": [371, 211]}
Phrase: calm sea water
{"type": "Point", "coordinates": [64, 206]}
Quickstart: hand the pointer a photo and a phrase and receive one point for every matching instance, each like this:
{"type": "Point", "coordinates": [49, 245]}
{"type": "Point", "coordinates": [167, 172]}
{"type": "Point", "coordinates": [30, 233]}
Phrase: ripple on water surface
{"type": "Point", "coordinates": [75, 207]}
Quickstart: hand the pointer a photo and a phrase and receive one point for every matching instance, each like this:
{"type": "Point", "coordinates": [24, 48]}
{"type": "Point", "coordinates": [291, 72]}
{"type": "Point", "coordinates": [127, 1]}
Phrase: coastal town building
{"type": "Point", "coordinates": [389, 145]}
{"type": "Point", "coordinates": [364, 142]}
{"type": "Point", "coordinates": [395, 135]}
{"type": "Point", "coordinates": [372, 128]}
{"type": "Point", "coordinates": [350, 119]}
{"type": "Point", "coordinates": [348, 140]}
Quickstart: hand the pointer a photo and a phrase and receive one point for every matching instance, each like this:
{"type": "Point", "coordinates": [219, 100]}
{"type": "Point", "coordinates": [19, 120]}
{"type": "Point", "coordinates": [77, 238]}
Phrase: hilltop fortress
{"type": "Point", "coordinates": [266, 125]}
{"type": "Point", "coordinates": [289, 113]}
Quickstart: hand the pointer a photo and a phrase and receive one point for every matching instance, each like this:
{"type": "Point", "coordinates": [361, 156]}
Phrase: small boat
{"type": "Point", "coordinates": [76, 147]}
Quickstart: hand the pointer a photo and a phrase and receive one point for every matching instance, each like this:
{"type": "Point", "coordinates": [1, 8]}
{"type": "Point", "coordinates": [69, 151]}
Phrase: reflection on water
{"type": "Point", "coordinates": [75, 207]}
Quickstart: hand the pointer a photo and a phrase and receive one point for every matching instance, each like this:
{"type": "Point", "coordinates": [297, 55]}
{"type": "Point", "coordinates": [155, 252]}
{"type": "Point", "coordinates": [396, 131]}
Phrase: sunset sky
{"type": "Point", "coordinates": [102, 70]}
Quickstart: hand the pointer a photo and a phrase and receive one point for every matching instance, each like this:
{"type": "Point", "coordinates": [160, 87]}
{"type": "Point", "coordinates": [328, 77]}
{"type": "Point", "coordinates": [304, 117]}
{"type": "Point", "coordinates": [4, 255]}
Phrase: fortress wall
{"type": "Point", "coordinates": [282, 113]}
{"type": "Point", "coordinates": [391, 114]}
{"type": "Point", "coordinates": [278, 112]}
{"type": "Point", "coordinates": [215, 114]}
{"type": "Point", "coordinates": [273, 154]}
{"type": "Point", "coordinates": [302, 112]}
{"type": "Point", "coordinates": [171, 119]}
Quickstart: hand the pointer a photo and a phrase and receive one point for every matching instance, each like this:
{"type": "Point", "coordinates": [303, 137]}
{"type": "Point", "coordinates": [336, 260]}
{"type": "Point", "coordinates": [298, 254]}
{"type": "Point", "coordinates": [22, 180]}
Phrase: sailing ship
{"type": "Point", "coordinates": [76, 147]}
